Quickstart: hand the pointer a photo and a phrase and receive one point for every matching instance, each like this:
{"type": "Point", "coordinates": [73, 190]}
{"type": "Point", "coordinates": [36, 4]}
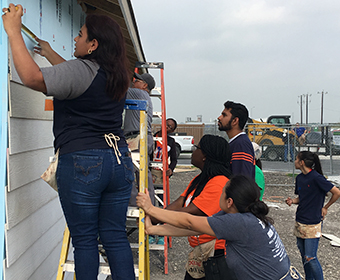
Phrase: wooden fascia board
{"type": "Point", "coordinates": [131, 24]}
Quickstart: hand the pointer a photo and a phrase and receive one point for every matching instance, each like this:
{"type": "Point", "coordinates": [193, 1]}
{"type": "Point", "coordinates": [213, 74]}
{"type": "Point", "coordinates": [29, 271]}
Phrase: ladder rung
{"type": "Point", "coordinates": [156, 94]}
{"type": "Point", "coordinates": [157, 247]}
{"type": "Point", "coordinates": [156, 164]}
{"type": "Point", "coordinates": [103, 268]}
{"type": "Point", "coordinates": [132, 212]}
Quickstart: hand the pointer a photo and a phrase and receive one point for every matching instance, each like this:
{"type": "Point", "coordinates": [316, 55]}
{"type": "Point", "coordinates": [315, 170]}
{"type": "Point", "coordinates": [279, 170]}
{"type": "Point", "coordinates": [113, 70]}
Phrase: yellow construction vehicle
{"type": "Point", "coordinates": [270, 135]}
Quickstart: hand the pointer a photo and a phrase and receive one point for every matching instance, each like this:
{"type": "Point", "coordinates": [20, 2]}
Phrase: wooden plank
{"type": "Point", "coordinates": [107, 6]}
{"type": "Point", "coordinates": [24, 168]}
{"type": "Point", "coordinates": [31, 259]}
{"type": "Point", "coordinates": [27, 103]}
{"type": "Point", "coordinates": [26, 200]}
{"type": "Point", "coordinates": [23, 236]}
{"type": "Point", "coordinates": [28, 134]}
{"type": "Point", "coordinates": [335, 241]}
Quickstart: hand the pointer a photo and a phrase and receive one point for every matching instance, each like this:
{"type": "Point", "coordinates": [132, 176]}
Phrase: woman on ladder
{"type": "Point", "coordinates": [94, 173]}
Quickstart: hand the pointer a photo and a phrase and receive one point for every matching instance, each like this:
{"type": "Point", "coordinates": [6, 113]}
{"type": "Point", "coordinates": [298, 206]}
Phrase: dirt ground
{"type": "Point", "coordinates": [283, 216]}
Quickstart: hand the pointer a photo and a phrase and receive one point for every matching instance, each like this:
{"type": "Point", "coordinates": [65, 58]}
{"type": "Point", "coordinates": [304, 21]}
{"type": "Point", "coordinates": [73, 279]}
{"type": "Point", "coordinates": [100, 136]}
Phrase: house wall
{"type": "Point", "coordinates": [3, 131]}
{"type": "Point", "coordinates": [34, 220]}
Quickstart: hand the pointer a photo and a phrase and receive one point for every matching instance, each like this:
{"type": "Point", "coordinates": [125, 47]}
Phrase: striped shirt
{"type": "Point", "coordinates": [242, 159]}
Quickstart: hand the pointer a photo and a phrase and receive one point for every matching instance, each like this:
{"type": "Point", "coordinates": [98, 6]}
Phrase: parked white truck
{"type": "Point", "coordinates": [184, 143]}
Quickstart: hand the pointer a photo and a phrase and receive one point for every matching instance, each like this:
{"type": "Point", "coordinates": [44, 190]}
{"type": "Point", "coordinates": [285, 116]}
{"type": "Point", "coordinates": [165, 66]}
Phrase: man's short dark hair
{"type": "Point", "coordinates": [239, 111]}
{"type": "Point", "coordinates": [171, 119]}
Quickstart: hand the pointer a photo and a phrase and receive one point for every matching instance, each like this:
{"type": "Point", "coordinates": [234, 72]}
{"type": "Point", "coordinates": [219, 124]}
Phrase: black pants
{"type": "Point", "coordinates": [218, 252]}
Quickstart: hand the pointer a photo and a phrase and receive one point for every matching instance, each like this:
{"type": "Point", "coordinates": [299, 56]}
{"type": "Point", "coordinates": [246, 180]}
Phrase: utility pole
{"type": "Point", "coordinates": [307, 107]}
{"type": "Point", "coordinates": [301, 102]}
{"type": "Point", "coordinates": [322, 93]}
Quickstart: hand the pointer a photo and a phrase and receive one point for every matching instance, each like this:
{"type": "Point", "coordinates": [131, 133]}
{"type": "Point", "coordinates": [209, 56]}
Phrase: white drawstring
{"type": "Point", "coordinates": [294, 273]}
{"type": "Point", "coordinates": [108, 138]}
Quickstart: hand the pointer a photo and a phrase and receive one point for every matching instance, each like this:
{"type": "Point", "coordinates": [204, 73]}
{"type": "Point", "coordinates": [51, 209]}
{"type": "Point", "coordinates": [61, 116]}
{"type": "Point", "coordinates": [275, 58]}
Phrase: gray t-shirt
{"type": "Point", "coordinates": [69, 79]}
{"type": "Point", "coordinates": [254, 251]}
{"type": "Point", "coordinates": [132, 117]}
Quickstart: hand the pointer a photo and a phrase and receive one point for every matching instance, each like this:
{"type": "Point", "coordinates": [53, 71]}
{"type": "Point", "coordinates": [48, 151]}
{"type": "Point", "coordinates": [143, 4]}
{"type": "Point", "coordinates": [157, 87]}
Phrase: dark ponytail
{"type": "Point", "coordinates": [311, 160]}
{"type": "Point", "coordinates": [246, 194]}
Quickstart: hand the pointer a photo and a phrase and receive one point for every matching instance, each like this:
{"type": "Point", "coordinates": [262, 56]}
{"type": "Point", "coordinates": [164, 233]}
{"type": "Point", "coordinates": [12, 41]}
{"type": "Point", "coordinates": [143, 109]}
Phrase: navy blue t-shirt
{"type": "Point", "coordinates": [311, 189]}
{"type": "Point", "coordinates": [242, 158]}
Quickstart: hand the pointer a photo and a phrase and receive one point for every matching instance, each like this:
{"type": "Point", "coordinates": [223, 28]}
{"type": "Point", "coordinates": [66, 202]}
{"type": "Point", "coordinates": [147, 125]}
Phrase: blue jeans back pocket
{"type": "Point", "coordinates": [128, 169]}
{"type": "Point", "coordinates": [87, 169]}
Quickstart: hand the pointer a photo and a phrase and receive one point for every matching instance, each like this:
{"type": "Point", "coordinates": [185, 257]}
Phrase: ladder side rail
{"type": "Point", "coordinates": [63, 254]}
{"type": "Point", "coordinates": [143, 184]}
{"type": "Point", "coordinates": [143, 245]}
{"type": "Point", "coordinates": [165, 143]}
{"type": "Point", "coordinates": [166, 191]}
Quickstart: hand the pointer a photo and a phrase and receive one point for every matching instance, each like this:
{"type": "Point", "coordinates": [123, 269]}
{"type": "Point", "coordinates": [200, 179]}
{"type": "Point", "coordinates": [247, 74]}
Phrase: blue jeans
{"type": "Point", "coordinates": [291, 152]}
{"type": "Point", "coordinates": [94, 192]}
{"type": "Point", "coordinates": [308, 249]}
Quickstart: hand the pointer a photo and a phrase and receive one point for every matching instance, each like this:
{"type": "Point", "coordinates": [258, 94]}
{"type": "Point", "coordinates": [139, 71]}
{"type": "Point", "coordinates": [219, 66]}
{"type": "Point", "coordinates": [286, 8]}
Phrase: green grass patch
{"type": "Point", "coordinates": [291, 175]}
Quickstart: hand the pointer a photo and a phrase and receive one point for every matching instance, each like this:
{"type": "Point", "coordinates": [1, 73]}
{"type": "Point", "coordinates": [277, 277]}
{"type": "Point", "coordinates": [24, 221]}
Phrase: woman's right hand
{"type": "Point", "coordinates": [143, 201]}
{"type": "Point", "coordinates": [43, 48]}
{"type": "Point", "coordinates": [12, 19]}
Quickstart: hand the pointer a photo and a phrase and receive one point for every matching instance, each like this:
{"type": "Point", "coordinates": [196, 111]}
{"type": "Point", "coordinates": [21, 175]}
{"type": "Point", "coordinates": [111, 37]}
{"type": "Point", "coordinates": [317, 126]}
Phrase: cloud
{"type": "Point", "coordinates": [262, 53]}
{"type": "Point", "coordinates": [258, 13]}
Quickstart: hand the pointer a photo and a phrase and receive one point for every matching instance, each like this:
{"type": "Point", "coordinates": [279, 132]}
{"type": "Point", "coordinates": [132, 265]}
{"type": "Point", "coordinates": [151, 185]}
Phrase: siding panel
{"type": "Point", "coordinates": [27, 264]}
{"type": "Point", "coordinates": [27, 167]}
{"type": "Point", "coordinates": [22, 237]}
{"type": "Point", "coordinates": [27, 103]}
{"type": "Point", "coordinates": [26, 200]}
{"type": "Point", "coordinates": [28, 134]}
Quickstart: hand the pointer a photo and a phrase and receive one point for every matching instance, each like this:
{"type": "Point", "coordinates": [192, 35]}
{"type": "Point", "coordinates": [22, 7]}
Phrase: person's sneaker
{"type": "Point", "coordinates": [152, 240]}
{"type": "Point", "coordinates": [160, 240]}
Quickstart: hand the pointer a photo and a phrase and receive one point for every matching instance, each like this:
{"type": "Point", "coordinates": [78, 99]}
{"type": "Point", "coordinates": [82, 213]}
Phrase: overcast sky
{"type": "Point", "coordinates": [264, 54]}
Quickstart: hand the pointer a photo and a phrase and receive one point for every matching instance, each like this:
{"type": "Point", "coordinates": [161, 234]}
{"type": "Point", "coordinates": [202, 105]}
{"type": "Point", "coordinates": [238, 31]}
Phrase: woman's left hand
{"type": "Point", "coordinates": [43, 48]}
{"type": "Point", "coordinates": [12, 19]}
{"type": "Point", "coordinates": [148, 225]}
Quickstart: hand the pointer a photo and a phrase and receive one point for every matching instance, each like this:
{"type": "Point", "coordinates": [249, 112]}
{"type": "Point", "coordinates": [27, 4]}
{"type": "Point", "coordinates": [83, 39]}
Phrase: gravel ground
{"type": "Point", "coordinates": [282, 214]}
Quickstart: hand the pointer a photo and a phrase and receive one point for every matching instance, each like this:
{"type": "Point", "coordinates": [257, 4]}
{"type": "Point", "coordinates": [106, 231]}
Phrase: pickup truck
{"type": "Point", "coordinates": [184, 143]}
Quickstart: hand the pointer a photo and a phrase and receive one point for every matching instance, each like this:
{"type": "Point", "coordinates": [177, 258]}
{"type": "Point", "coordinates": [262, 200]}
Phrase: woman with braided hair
{"type": "Point", "coordinates": [201, 198]}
